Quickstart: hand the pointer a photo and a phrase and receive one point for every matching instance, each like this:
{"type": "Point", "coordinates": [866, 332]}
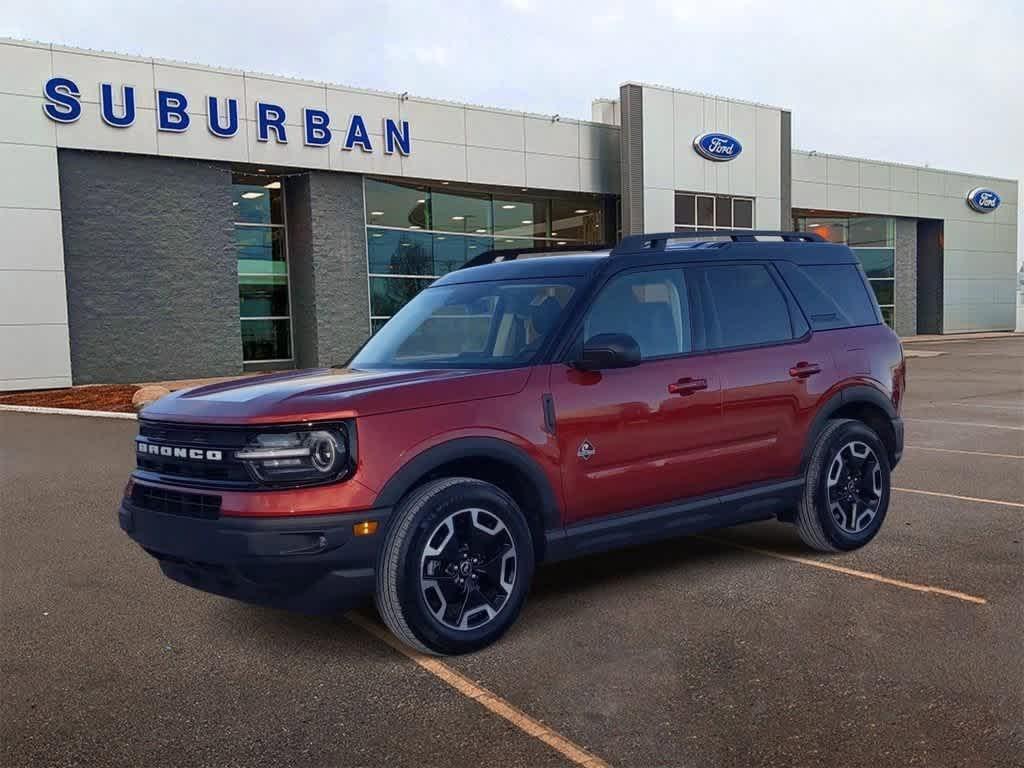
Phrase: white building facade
{"type": "Point", "coordinates": [168, 220]}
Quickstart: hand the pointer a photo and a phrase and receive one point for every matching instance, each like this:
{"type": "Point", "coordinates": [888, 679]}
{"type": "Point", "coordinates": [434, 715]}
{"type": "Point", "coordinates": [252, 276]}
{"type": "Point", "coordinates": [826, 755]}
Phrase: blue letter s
{"type": "Point", "coordinates": [62, 100]}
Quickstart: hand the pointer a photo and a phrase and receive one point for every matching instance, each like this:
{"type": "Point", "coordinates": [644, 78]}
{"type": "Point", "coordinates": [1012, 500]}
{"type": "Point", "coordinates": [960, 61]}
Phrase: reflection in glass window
{"type": "Point", "coordinates": [873, 239]}
{"type": "Point", "coordinates": [649, 306]}
{"type": "Point", "coordinates": [389, 294]}
{"type": "Point", "coordinates": [430, 230]}
{"type": "Point", "coordinates": [391, 205]}
{"type": "Point", "coordinates": [263, 298]}
{"type": "Point", "coordinates": [266, 340]}
{"type": "Point", "coordinates": [695, 212]}
{"type": "Point", "coordinates": [463, 212]}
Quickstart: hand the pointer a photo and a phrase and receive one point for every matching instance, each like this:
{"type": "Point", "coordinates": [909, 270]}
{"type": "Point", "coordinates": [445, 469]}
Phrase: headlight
{"type": "Point", "coordinates": [300, 456]}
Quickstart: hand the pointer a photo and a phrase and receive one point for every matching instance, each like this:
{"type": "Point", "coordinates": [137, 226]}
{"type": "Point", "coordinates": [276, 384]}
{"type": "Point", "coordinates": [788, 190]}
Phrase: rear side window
{"type": "Point", "coordinates": [832, 295]}
{"type": "Point", "coordinates": [743, 306]}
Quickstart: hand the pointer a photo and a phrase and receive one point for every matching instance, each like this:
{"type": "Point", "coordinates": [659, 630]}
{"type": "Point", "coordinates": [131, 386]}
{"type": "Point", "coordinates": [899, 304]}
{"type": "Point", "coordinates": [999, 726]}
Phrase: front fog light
{"type": "Point", "coordinates": [301, 456]}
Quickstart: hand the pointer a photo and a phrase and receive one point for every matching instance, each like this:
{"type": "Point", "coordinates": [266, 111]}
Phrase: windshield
{"type": "Point", "coordinates": [471, 325]}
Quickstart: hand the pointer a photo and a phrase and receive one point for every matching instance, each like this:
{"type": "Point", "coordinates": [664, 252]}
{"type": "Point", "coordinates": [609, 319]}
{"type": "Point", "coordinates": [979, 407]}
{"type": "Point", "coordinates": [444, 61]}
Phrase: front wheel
{"type": "Point", "coordinates": [455, 566]}
{"type": "Point", "coordinates": [846, 494]}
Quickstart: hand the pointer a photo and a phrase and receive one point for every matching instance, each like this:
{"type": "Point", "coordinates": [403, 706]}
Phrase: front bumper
{"type": "Point", "coordinates": [313, 564]}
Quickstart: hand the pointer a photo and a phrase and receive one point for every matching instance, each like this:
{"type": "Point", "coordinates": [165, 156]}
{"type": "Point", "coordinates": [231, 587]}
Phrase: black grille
{"type": "Point", "coordinates": [185, 444]}
{"type": "Point", "coordinates": [202, 505]}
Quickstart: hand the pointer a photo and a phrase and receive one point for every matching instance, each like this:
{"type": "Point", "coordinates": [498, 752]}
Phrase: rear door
{"type": "Point", "coordinates": [636, 437]}
{"type": "Point", "coordinates": [773, 370]}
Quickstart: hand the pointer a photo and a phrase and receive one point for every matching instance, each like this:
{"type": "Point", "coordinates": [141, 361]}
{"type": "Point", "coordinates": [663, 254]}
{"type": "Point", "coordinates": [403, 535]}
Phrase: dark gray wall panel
{"type": "Point", "coordinates": [301, 271]}
{"type": "Point", "coordinates": [786, 175]}
{"type": "Point", "coordinates": [631, 137]}
{"type": "Point", "coordinates": [905, 272]}
{"type": "Point", "coordinates": [327, 251]}
{"type": "Point", "coordinates": [150, 266]}
{"type": "Point", "coordinates": [930, 271]}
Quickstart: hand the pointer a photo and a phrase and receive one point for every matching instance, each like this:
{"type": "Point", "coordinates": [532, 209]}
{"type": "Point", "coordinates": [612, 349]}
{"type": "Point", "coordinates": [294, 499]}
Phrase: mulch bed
{"type": "Point", "coordinates": [101, 397]}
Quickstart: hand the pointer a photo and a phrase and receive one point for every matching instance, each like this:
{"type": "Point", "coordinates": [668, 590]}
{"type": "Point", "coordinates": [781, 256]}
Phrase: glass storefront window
{"type": "Point", "coordinates": [255, 203]}
{"type": "Point", "coordinates": [463, 212]}
{"type": "Point", "coordinates": [390, 205]}
{"type": "Point", "coordinates": [696, 212]}
{"type": "Point", "coordinates": [426, 231]}
{"type": "Point", "coordinates": [260, 245]}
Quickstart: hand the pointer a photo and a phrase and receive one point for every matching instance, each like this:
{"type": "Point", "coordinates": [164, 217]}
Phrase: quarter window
{"type": "Point", "coordinates": [650, 306]}
{"type": "Point", "coordinates": [743, 305]}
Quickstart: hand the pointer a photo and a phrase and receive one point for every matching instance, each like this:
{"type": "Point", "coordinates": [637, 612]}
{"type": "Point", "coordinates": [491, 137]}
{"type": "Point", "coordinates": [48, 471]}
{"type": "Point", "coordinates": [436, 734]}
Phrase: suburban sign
{"type": "Point", "coordinates": [63, 105]}
{"type": "Point", "coordinates": [717, 146]}
{"type": "Point", "coordinates": [983, 200]}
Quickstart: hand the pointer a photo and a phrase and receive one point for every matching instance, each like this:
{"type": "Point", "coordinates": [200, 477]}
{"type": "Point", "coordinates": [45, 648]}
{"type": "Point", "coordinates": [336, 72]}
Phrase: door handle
{"type": "Point", "coordinates": [802, 370]}
{"type": "Point", "coordinates": [687, 386]}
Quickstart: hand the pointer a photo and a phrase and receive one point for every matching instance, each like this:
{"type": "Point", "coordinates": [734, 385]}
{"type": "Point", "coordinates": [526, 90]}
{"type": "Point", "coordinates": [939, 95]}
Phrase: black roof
{"type": "Point", "coordinates": [797, 247]}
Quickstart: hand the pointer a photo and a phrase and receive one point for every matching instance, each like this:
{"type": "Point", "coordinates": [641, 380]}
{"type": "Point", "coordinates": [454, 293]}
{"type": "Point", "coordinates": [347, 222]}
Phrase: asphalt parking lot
{"type": "Point", "coordinates": [736, 649]}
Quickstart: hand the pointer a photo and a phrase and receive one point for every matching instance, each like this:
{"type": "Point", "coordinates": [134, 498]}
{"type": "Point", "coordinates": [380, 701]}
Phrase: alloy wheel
{"type": "Point", "coordinates": [468, 569]}
{"type": "Point", "coordinates": [854, 487]}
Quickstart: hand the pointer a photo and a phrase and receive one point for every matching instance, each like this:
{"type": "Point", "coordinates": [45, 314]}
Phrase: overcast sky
{"type": "Point", "coordinates": [938, 82]}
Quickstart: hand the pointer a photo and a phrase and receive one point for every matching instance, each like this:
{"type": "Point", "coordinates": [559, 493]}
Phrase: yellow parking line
{"type": "Point", "coordinates": [971, 453]}
{"type": "Point", "coordinates": [851, 571]}
{"type": "Point", "coordinates": [962, 498]}
{"type": "Point", "coordinates": [492, 702]}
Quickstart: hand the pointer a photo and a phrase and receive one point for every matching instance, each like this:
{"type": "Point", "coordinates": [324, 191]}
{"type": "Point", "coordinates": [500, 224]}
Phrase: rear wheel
{"type": "Point", "coordinates": [846, 494]}
{"type": "Point", "coordinates": [455, 566]}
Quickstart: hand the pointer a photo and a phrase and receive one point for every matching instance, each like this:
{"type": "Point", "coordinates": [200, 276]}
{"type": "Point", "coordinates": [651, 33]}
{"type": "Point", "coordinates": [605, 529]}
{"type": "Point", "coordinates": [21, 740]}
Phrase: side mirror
{"type": "Point", "coordinates": [609, 350]}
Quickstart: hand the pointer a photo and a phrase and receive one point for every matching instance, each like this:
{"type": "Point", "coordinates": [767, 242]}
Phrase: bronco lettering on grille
{"type": "Point", "coordinates": [174, 452]}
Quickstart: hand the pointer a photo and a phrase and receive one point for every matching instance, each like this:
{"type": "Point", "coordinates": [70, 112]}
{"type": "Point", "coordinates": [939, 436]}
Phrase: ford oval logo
{"type": "Point", "coordinates": [983, 200]}
{"type": "Point", "coordinates": [717, 146]}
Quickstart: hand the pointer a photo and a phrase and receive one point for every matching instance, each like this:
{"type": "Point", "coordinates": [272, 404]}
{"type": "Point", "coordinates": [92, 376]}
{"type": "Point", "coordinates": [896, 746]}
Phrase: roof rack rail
{"type": "Point", "coordinates": [511, 254]}
{"type": "Point", "coordinates": [658, 241]}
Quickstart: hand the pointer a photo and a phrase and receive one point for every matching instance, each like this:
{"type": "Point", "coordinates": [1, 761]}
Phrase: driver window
{"type": "Point", "coordinates": [650, 306]}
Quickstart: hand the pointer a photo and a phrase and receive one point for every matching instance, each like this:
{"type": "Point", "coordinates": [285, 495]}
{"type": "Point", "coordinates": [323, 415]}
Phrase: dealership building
{"type": "Point", "coordinates": [165, 220]}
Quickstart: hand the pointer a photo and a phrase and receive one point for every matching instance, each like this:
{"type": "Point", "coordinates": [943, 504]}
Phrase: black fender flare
{"type": "Point", "coordinates": [473, 448]}
{"type": "Point", "coordinates": [859, 393]}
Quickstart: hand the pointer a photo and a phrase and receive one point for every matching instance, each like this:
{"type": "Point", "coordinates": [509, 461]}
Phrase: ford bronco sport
{"type": "Point", "coordinates": [529, 407]}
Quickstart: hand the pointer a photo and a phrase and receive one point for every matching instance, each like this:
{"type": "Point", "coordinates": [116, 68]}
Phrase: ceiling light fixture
{"type": "Point", "coordinates": [527, 221]}
{"type": "Point", "coordinates": [458, 218]}
{"type": "Point", "coordinates": [251, 195]}
{"type": "Point", "coordinates": [376, 213]}
{"type": "Point", "coordinates": [261, 170]}
{"type": "Point", "coordinates": [481, 230]}
{"type": "Point", "coordinates": [422, 200]}
{"type": "Point", "coordinates": [508, 206]}
{"type": "Point", "coordinates": [580, 210]}
{"type": "Point", "coordinates": [414, 226]}
{"type": "Point", "coordinates": [554, 234]}
{"type": "Point", "coordinates": [272, 185]}
{"type": "Point", "coordinates": [561, 242]}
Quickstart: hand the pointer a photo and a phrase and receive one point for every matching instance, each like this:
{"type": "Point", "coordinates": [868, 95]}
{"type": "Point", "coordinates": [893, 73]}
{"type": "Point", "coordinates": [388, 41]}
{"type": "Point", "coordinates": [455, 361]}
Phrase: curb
{"type": "Point", "coordinates": [66, 412]}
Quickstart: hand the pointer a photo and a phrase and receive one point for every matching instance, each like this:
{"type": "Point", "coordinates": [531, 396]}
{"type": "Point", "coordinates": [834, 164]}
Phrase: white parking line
{"type": "Point", "coordinates": [970, 453]}
{"type": "Point", "coordinates": [965, 424]}
{"type": "Point", "coordinates": [997, 502]}
{"type": "Point", "coordinates": [851, 571]}
{"type": "Point", "coordinates": [490, 701]}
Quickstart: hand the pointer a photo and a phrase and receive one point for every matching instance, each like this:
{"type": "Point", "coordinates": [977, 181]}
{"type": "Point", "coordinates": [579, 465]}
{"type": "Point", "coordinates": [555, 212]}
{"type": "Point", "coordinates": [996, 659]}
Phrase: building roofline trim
{"type": "Point", "coordinates": [140, 59]}
{"type": "Point", "coordinates": [705, 95]}
{"type": "Point", "coordinates": [815, 153]}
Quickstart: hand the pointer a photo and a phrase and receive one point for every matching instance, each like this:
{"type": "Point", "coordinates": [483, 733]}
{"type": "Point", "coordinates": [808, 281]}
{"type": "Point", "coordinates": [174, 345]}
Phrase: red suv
{"type": "Point", "coordinates": [531, 407]}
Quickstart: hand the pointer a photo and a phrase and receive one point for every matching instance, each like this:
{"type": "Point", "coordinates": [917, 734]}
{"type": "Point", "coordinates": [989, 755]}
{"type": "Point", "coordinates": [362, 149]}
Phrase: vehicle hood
{"type": "Point", "coordinates": [330, 393]}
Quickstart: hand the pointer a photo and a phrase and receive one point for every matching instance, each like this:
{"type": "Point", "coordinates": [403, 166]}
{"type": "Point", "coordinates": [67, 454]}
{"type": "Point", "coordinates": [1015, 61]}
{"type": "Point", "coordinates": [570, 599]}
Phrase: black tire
{"type": "Point", "coordinates": [827, 516]}
{"type": "Point", "coordinates": [421, 610]}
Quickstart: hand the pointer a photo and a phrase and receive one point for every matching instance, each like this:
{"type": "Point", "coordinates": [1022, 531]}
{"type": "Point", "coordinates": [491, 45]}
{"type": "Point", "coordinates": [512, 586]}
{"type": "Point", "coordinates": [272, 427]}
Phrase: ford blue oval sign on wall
{"type": "Point", "coordinates": [717, 146]}
{"type": "Point", "coordinates": [983, 200]}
